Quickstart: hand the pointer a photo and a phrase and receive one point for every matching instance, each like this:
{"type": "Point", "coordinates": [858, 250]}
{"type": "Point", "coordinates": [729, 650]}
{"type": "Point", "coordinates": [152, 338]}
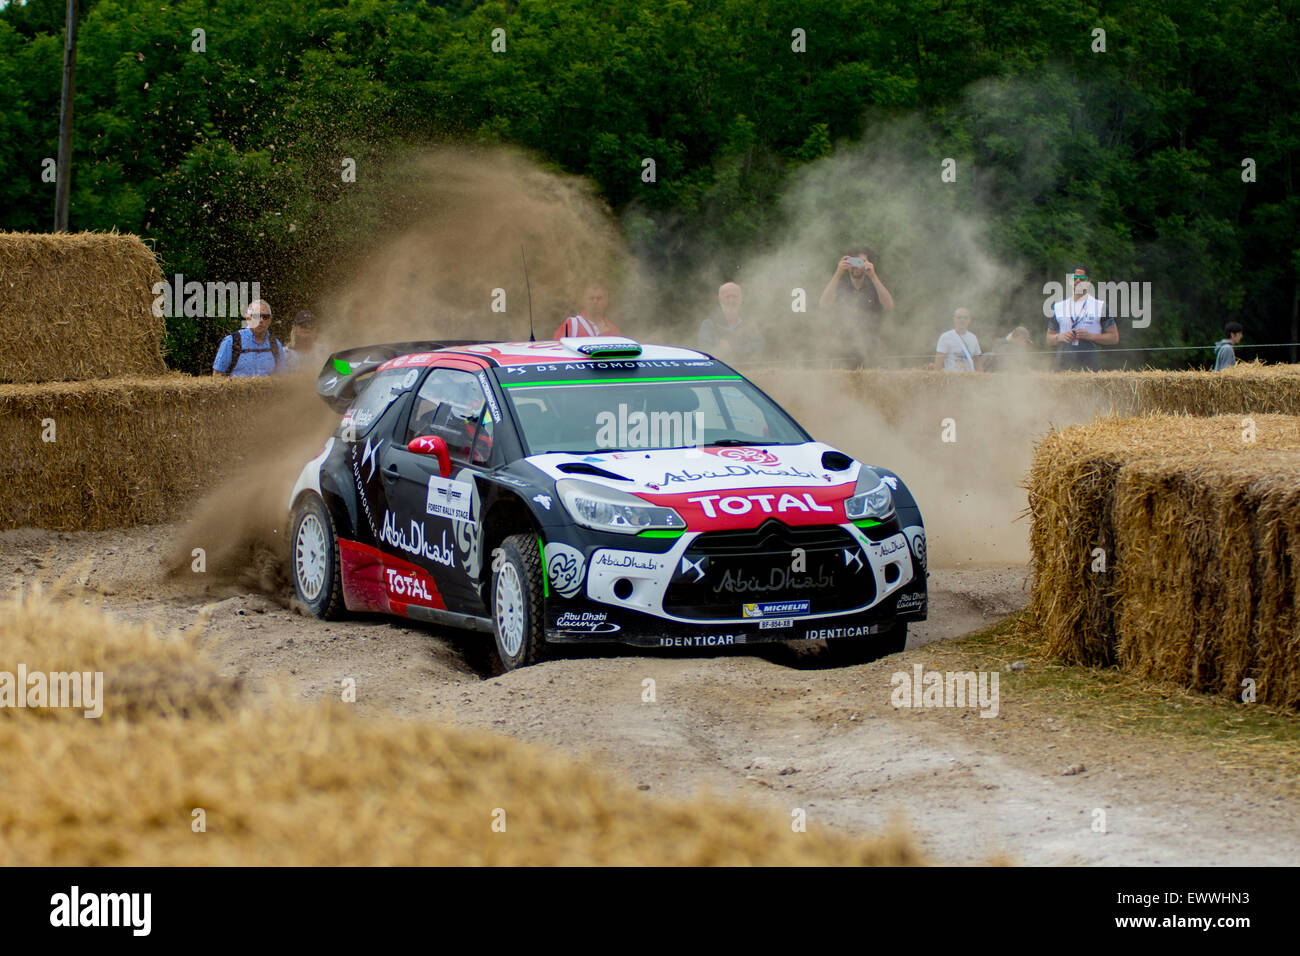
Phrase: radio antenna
{"type": "Point", "coordinates": [531, 337]}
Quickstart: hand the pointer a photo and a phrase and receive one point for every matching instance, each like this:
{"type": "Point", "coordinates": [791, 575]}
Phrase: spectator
{"type": "Point", "coordinates": [1013, 354]}
{"type": "Point", "coordinates": [1079, 324]}
{"type": "Point", "coordinates": [861, 298]}
{"type": "Point", "coordinates": [958, 350]}
{"type": "Point", "coordinates": [1224, 355]}
{"type": "Point", "coordinates": [592, 320]}
{"type": "Point", "coordinates": [305, 351]}
{"type": "Point", "coordinates": [250, 351]}
{"type": "Point", "coordinates": [728, 334]}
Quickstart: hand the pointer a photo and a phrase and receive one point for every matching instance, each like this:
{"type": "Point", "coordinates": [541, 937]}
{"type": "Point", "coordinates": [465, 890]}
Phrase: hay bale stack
{"type": "Point", "coordinates": [1247, 388]}
{"type": "Point", "coordinates": [287, 783]}
{"type": "Point", "coordinates": [130, 450]}
{"type": "Point", "coordinates": [1200, 534]}
{"type": "Point", "coordinates": [77, 307]}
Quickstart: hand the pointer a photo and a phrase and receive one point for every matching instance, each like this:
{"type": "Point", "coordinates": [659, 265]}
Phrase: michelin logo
{"type": "Point", "coordinates": [776, 609]}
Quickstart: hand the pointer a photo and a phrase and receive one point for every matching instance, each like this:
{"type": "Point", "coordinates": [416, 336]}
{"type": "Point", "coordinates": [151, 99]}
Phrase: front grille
{"type": "Point", "coordinates": [758, 566]}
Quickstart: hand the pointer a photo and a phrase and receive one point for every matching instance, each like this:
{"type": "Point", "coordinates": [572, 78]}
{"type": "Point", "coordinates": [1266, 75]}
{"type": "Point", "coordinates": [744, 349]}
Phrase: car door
{"type": "Point", "coordinates": [436, 516]}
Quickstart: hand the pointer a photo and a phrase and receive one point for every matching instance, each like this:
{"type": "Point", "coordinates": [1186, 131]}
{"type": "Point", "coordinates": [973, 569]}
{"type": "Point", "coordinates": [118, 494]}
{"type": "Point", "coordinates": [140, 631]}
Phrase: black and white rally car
{"type": "Point", "coordinates": [596, 490]}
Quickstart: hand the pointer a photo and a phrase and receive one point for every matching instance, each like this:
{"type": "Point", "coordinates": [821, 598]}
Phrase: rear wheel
{"type": "Point", "coordinates": [517, 603]}
{"type": "Point", "coordinates": [315, 557]}
{"type": "Point", "coordinates": [846, 651]}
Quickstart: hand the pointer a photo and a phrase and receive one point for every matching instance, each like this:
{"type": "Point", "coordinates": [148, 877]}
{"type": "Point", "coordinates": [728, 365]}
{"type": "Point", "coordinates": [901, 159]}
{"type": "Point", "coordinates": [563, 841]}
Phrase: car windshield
{"type": "Point", "coordinates": [584, 417]}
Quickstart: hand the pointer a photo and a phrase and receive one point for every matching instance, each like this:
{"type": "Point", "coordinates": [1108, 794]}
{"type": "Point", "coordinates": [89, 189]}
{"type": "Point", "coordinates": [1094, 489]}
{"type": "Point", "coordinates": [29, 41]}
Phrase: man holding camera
{"type": "Point", "coordinates": [861, 298]}
{"type": "Point", "coordinates": [1079, 324]}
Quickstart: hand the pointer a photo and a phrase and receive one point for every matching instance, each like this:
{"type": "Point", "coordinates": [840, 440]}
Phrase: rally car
{"type": "Point", "coordinates": [596, 490]}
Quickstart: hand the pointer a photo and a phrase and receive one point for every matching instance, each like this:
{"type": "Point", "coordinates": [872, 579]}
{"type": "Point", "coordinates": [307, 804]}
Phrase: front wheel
{"type": "Point", "coordinates": [517, 603]}
{"type": "Point", "coordinates": [315, 557]}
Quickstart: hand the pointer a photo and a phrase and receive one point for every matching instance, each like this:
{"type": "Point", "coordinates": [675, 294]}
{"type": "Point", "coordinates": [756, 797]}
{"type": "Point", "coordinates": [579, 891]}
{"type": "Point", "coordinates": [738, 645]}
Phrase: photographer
{"type": "Point", "coordinates": [861, 298]}
{"type": "Point", "coordinates": [1079, 324]}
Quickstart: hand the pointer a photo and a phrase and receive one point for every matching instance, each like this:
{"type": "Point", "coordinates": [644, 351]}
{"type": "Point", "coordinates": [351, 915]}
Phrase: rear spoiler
{"type": "Point", "coordinates": [343, 372]}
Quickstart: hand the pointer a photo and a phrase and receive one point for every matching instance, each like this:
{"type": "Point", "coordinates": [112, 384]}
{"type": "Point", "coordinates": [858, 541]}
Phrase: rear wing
{"type": "Point", "coordinates": [344, 372]}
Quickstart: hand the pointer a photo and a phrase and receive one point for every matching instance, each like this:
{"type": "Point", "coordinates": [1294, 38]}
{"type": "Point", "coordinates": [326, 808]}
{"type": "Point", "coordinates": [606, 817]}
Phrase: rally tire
{"type": "Point", "coordinates": [518, 605]}
{"type": "Point", "coordinates": [314, 560]}
{"type": "Point", "coordinates": [847, 651]}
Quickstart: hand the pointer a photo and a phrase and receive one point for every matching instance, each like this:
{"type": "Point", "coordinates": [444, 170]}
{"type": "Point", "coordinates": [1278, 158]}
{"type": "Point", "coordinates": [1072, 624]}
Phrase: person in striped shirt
{"type": "Point", "coordinates": [592, 320]}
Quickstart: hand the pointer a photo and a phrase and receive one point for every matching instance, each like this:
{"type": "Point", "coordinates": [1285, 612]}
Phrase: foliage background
{"type": "Point", "coordinates": [1128, 160]}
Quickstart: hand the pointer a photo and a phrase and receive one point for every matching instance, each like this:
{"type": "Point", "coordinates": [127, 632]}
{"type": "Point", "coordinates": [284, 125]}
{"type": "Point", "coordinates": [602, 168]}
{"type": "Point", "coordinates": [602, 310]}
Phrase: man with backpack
{"type": "Point", "coordinates": [252, 351]}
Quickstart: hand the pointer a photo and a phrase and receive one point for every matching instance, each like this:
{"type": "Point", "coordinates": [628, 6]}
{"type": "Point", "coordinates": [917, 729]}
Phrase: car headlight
{"type": "Point", "coordinates": [875, 502]}
{"type": "Point", "coordinates": [604, 509]}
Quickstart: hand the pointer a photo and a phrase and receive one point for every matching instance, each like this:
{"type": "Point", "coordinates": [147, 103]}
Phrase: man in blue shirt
{"type": "Point", "coordinates": [251, 351]}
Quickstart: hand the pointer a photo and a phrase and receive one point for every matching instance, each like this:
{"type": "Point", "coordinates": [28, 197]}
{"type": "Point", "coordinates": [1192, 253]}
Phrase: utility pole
{"type": "Point", "coordinates": [64, 169]}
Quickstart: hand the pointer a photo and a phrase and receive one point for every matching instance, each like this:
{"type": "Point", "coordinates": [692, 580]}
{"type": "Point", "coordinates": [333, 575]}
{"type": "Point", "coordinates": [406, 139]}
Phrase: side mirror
{"type": "Point", "coordinates": [432, 445]}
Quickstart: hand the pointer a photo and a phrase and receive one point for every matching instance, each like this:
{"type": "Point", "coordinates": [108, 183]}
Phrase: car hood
{"type": "Point", "coordinates": [722, 487]}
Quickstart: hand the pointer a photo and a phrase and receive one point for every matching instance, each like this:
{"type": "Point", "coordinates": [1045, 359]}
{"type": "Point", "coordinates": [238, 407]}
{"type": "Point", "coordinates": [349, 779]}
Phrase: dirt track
{"type": "Point", "coordinates": [751, 726]}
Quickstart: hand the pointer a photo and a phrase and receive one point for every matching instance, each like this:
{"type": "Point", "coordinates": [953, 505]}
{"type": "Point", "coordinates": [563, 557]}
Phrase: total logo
{"type": "Point", "coordinates": [406, 585]}
{"type": "Point", "coordinates": [744, 504]}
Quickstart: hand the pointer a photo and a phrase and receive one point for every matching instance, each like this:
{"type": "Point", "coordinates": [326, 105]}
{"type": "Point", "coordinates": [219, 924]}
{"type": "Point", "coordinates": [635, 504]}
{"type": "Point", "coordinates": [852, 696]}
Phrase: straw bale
{"type": "Point", "coordinates": [283, 782]}
{"type": "Point", "coordinates": [78, 306]}
{"type": "Point", "coordinates": [1200, 529]}
{"type": "Point", "coordinates": [126, 451]}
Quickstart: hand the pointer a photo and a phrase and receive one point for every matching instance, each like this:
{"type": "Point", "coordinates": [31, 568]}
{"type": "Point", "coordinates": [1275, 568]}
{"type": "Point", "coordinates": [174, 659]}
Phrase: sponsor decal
{"type": "Point", "coordinates": [370, 455]}
{"type": "Point", "coordinates": [916, 536]}
{"type": "Point", "coordinates": [493, 408]}
{"type": "Point", "coordinates": [911, 601]}
{"type": "Point", "coordinates": [409, 379]}
{"type": "Point", "coordinates": [564, 567]}
{"type": "Point", "coordinates": [832, 632]}
{"type": "Point", "coordinates": [755, 456]}
{"type": "Point", "coordinates": [512, 480]}
{"type": "Point", "coordinates": [732, 471]}
{"type": "Point", "coordinates": [696, 566]}
{"type": "Point", "coordinates": [361, 486]}
{"type": "Point", "coordinates": [417, 543]}
{"type": "Point", "coordinates": [406, 585]}
{"type": "Point", "coordinates": [892, 546]}
{"type": "Point", "coordinates": [543, 500]}
{"type": "Point", "coordinates": [414, 360]}
{"type": "Point", "coordinates": [780, 579]}
{"type": "Point", "coordinates": [891, 481]}
{"type": "Point", "coordinates": [449, 499]}
{"type": "Point", "coordinates": [469, 536]}
{"type": "Point", "coordinates": [628, 560]}
{"type": "Point", "coordinates": [702, 640]}
{"type": "Point", "coordinates": [589, 622]}
{"type": "Point", "coordinates": [775, 623]}
{"type": "Point", "coordinates": [785, 502]}
{"type": "Point", "coordinates": [783, 608]}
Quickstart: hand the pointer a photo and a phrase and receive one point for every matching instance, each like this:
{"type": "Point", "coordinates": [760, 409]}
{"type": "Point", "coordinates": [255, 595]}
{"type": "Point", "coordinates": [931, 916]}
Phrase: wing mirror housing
{"type": "Point", "coordinates": [432, 445]}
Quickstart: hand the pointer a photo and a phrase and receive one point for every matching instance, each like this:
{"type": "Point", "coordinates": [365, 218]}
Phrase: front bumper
{"type": "Point", "coordinates": [717, 589]}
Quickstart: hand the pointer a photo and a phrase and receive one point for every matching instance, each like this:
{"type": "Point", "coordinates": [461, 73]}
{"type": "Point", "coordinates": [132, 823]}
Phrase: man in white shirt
{"type": "Point", "coordinates": [958, 349]}
{"type": "Point", "coordinates": [1079, 324]}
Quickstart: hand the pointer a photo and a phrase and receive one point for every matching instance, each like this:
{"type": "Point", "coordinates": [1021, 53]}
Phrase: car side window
{"type": "Point", "coordinates": [450, 404]}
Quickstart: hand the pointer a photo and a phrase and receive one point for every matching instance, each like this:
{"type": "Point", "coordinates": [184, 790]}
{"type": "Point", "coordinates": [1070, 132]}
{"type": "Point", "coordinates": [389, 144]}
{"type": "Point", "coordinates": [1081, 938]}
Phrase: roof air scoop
{"type": "Point", "coordinates": [601, 345]}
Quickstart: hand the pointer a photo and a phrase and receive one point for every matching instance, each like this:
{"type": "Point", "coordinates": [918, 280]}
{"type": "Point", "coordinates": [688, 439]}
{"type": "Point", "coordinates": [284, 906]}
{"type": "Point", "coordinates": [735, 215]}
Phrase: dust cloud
{"type": "Point", "coordinates": [455, 225]}
{"type": "Point", "coordinates": [438, 242]}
